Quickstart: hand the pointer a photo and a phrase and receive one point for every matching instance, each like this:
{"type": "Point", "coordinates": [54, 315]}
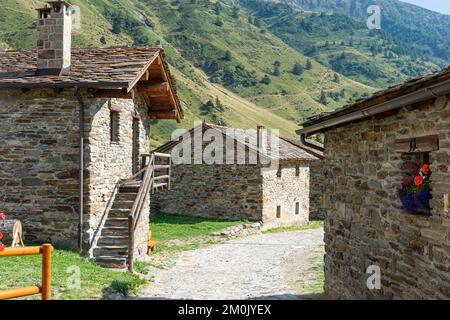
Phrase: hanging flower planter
{"type": "Point", "coordinates": [415, 193]}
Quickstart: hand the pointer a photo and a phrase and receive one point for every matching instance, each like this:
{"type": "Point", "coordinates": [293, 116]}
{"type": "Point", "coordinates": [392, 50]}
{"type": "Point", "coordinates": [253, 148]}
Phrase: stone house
{"type": "Point", "coordinates": [369, 236]}
{"type": "Point", "coordinates": [273, 189]}
{"type": "Point", "coordinates": [74, 123]}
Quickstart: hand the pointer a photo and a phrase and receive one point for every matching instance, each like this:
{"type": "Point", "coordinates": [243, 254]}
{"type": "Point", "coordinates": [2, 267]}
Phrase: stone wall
{"type": "Point", "coordinates": [289, 192]}
{"type": "Point", "coordinates": [213, 191]}
{"type": "Point", "coordinates": [316, 189]}
{"type": "Point", "coordinates": [39, 163]}
{"type": "Point", "coordinates": [107, 162]}
{"type": "Point", "coordinates": [365, 224]}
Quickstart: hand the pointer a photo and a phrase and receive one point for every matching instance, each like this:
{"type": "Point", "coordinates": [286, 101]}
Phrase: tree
{"type": "Point", "coordinates": [297, 69]}
{"type": "Point", "coordinates": [219, 105]}
{"type": "Point", "coordinates": [103, 40]}
{"type": "Point", "coordinates": [228, 56]}
{"type": "Point", "coordinates": [235, 12]}
{"type": "Point", "coordinates": [218, 22]}
{"type": "Point", "coordinates": [323, 98]}
{"type": "Point", "coordinates": [217, 8]}
{"type": "Point", "coordinates": [266, 80]}
{"type": "Point", "coordinates": [336, 78]}
{"type": "Point", "coordinates": [308, 64]}
{"type": "Point", "coordinates": [276, 68]}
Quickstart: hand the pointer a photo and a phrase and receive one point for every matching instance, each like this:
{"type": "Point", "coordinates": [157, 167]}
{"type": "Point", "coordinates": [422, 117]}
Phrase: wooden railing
{"type": "Point", "coordinates": [45, 288]}
{"type": "Point", "coordinates": [147, 186]}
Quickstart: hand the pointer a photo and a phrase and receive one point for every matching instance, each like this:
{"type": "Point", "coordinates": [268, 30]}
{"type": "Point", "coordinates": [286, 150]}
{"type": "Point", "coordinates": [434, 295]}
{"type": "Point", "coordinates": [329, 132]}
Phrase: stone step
{"type": "Point", "coordinates": [111, 251]}
{"type": "Point", "coordinates": [129, 190]}
{"type": "Point", "coordinates": [111, 262]}
{"type": "Point", "coordinates": [119, 204]}
{"type": "Point", "coordinates": [115, 231]}
{"type": "Point", "coordinates": [119, 213]}
{"type": "Point", "coordinates": [116, 222]}
{"type": "Point", "coordinates": [126, 196]}
{"type": "Point", "coordinates": [112, 241]}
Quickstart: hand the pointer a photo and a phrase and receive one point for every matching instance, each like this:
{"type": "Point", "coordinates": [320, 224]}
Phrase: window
{"type": "Point", "coordinates": [278, 212]}
{"type": "Point", "coordinates": [297, 208]}
{"type": "Point", "coordinates": [297, 170]}
{"type": "Point", "coordinates": [279, 171]}
{"type": "Point", "coordinates": [114, 126]}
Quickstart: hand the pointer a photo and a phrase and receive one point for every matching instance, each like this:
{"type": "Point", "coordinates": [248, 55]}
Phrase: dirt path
{"type": "Point", "coordinates": [257, 267]}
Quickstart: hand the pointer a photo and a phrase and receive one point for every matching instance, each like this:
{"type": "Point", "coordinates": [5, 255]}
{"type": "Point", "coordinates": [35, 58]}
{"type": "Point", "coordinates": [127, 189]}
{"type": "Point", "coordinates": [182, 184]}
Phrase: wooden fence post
{"type": "Point", "coordinates": [46, 271]}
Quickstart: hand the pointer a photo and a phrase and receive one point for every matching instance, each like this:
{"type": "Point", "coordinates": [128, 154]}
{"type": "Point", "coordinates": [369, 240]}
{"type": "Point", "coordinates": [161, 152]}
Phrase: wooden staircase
{"type": "Point", "coordinates": [117, 234]}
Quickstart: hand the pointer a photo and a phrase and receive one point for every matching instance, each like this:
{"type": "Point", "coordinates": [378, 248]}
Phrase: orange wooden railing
{"type": "Point", "coordinates": [44, 289]}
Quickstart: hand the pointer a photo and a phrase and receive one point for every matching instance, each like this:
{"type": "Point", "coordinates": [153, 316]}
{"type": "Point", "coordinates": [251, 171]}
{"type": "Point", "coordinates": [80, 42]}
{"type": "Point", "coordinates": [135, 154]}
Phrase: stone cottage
{"type": "Point", "coordinates": [374, 247]}
{"type": "Point", "coordinates": [274, 188]}
{"type": "Point", "coordinates": [74, 123]}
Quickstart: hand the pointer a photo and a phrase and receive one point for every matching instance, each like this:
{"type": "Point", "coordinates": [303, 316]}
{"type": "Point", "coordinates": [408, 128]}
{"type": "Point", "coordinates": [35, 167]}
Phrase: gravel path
{"type": "Point", "coordinates": [256, 267]}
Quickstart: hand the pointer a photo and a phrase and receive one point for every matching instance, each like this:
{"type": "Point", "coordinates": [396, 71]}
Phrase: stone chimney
{"type": "Point", "coordinates": [260, 135]}
{"type": "Point", "coordinates": [54, 38]}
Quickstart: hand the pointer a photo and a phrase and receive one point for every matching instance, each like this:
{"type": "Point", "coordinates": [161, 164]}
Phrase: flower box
{"type": "Point", "coordinates": [415, 194]}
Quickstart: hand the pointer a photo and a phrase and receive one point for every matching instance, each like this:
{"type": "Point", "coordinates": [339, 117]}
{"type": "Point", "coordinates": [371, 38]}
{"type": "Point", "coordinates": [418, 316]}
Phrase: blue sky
{"type": "Point", "coordinates": [442, 6]}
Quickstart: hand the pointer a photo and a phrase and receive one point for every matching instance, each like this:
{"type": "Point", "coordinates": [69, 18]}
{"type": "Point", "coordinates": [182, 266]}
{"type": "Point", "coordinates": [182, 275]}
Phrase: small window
{"type": "Point", "coordinates": [278, 212]}
{"type": "Point", "coordinates": [279, 172]}
{"type": "Point", "coordinates": [114, 126]}
{"type": "Point", "coordinates": [297, 208]}
{"type": "Point", "coordinates": [297, 170]}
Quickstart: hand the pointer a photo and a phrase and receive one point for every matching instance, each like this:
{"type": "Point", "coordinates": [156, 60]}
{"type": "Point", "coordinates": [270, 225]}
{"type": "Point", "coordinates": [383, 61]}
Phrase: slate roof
{"type": "Point", "coordinates": [298, 143]}
{"type": "Point", "coordinates": [287, 151]}
{"type": "Point", "coordinates": [383, 96]}
{"type": "Point", "coordinates": [90, 68]}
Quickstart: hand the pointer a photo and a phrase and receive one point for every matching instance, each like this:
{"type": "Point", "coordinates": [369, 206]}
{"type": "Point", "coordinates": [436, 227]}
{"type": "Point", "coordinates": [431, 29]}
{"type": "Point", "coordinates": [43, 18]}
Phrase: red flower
{"type": "Point", "coordinates": [418, 181]}
{"type": "Point", "coordinates": [2, 215]}
{"type": "Point", "coordinates": [426, 169]}
{"type": "Point", "coordinates": [2, 247]}
{"type": "Point", "coordinates": [405, 182]}
{"type": "Point", "coordinates": [1, 236]}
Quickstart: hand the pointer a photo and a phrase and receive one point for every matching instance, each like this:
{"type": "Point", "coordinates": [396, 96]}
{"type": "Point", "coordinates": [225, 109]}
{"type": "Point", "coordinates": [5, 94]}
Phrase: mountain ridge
{"type": "Point", "coordinates": [235, 64]}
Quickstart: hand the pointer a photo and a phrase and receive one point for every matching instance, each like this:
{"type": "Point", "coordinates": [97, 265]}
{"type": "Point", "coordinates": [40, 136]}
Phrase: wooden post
{"type": "Point", "coordinates": [170, 173]}
{"type": "Point", "coordinates": [46, 271]}
{"type": "Point", "coordinates": [130, 244]}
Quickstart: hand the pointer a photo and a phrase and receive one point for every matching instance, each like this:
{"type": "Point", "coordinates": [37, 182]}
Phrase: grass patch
{"type": "Point", "coordinates": [314, 224]}
{"type": "Point", "coordinates": [313, 280]}
{"type": "Point", "coordinates": [181, 233]}
{"type": "Point", "coordinates": [66, 265]}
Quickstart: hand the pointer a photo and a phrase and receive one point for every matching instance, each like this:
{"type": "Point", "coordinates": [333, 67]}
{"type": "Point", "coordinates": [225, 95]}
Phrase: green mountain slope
{"type": "Point", "coordinates": [342, 41]}
{"type": "Point", "coordinates": [241, 63]}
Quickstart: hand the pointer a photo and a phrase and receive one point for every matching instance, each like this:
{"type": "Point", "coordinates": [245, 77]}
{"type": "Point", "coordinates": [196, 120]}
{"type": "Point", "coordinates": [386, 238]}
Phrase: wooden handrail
{"type": "Point", "coordinates": [146, 187]}
{"type": "Point", "coordinates": [138, 205]}
{"type": "Point", "coordinates": [45, 288]}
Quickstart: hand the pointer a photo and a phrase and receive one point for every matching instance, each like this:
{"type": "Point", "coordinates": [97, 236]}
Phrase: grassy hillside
{"type": "Point", "coordinates": [343, 43]}
{"type": "Point", "coordinates": [238, 63]}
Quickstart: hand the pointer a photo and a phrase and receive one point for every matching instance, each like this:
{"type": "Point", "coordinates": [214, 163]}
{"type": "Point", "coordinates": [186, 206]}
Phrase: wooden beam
{"type": "Point", "coordinates": [145, 76]}
{"type": "Point", "coordinates": [155, 89]}
{"type": "Point", "coordinates": [114, 93]}
{"type": "Point", "coordinates": [163, 114]}
{"type": "Point", "coordinates": [415, 145]}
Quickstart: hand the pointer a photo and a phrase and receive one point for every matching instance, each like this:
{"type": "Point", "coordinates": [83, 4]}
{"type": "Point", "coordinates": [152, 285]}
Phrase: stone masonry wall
{"type": "Point", "coordinates": [39, 163]}
{"type": "Point", "coordinates": [289, 192]}
{"type": "Point", "coordinates": [365, 224]}
{"type": "Point", "coordinates": [108, 162]}
{"type": "Point", "coordinates": [316, 189]}
{"type": "Point", "coordinates": [213, 191]}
